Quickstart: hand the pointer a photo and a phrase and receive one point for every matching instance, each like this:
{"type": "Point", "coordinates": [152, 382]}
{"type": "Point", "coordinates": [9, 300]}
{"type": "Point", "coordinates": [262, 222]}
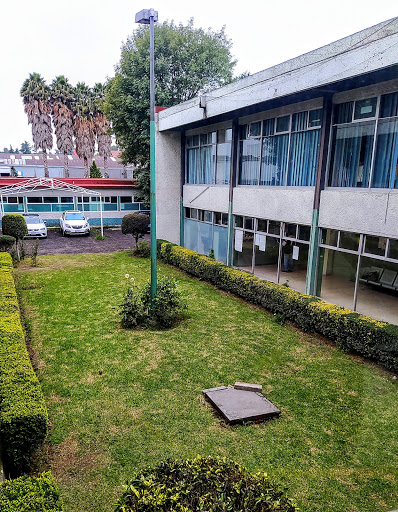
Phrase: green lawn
{"type": "Point", "coordinates": [119, 400]}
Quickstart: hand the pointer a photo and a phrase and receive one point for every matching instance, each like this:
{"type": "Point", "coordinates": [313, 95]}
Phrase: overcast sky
{"type": "Point", "coordinates": [81, 39]}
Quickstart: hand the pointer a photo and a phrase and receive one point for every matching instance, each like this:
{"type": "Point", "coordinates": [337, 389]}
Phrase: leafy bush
{"type": "Point", "coordinates": [203, 484]}
{"type": "Point", "coordinates": [168, 308]}
{"type": "Point", "coordinates": [135, 224]}
{"type": "Point", "coordinates": [23, 414]}
{"type": "Point", "coordinates": [30, 494]}
{"type": "Point", "coordinates": [14, 225]}
{"type": "Point", "coordinates": [351, 331]}
{"type": "Point", "coordinates": [132, 310]}
{"type": "Point", "coordinates": [143, 249]}
{"type": "Point", "coordinates": [6, 242]}
{"type": "Point", "coordinates": [169, 304]}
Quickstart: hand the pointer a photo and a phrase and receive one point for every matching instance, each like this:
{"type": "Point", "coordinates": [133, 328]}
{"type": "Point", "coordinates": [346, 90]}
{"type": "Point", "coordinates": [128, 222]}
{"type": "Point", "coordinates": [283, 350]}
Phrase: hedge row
{"type": "Point", "coordinates": [23, 414]}
{"type": "Point", "coordinates": [30, 494]}
{"type": "Point", "coordinates": [351, 331]}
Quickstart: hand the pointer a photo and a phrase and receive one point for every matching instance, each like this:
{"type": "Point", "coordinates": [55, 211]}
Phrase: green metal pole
{"type": "Point", "coordinates": [152, 163]}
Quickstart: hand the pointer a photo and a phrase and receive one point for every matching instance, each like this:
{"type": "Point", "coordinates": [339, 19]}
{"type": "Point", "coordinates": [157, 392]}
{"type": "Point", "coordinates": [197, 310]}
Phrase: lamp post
{"type": "Point", "coordinates": [149, 17]}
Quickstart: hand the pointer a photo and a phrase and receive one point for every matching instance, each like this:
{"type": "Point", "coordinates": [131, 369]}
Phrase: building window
{"type": "Point", "coordinates": [280, 151]}
{"type": "Point", "coordinates": [365, 143]}
{"type": "Point", "coordinates": [209, 158]}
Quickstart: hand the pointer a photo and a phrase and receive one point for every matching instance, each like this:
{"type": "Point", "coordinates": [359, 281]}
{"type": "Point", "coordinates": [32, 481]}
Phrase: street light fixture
{"type": "Point", "coordinates": [149, 17]}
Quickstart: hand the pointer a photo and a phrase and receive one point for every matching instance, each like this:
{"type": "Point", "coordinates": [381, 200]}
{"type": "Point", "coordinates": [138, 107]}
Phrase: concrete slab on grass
{"type": "Point", "coordinates": [239, 406]}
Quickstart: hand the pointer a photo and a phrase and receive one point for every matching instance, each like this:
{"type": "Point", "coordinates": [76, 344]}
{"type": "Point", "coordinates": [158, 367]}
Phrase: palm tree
{"type": "Point", "coordinates": [36, 98]}
{"type": "Point", "coordinates": [102, 125]}
{"type": "Point", "coordinates": [61, 99]}
{"type": "Point", "coordinates": [84, 131]}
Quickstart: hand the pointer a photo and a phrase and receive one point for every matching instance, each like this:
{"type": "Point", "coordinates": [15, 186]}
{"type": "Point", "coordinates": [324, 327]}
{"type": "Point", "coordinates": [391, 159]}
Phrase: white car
{"type": "Point", "coordinates": [36, 225]}
{"type": "Point", "coordinates": [74, 223]}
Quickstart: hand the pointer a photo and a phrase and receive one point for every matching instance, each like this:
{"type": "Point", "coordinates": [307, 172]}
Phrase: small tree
{"type": "Point", "coordinates": [135, 224]}
{"type": "Point", "coordinates": [95, 171]}
{"type": "Point", "coordinates": [15, 225]}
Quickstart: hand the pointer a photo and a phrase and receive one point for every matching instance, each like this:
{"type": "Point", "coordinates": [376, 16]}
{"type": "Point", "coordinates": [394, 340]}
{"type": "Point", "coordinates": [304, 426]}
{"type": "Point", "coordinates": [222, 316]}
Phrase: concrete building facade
{"type": "Point", "coordinates": [294, 168]}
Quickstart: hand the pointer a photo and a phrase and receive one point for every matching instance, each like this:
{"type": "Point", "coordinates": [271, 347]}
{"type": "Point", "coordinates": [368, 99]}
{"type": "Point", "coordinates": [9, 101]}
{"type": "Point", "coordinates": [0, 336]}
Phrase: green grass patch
{"type": "Point", "coordinates": [119, 400]}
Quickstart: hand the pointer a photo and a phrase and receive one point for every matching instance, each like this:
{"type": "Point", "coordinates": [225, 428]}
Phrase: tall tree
{"type": "Point", "coordinates": [102, 125]}
{"type": "Point", "coordinates": [187, 61]}
{"type": "Point", "coordinates": [61, 100]}
{"type": "Point", "coordinates": [25, 148]}
{"type": "Point", "coordinates": [36, 98]}
{"type": "Point", "coordinates": [84, 130]}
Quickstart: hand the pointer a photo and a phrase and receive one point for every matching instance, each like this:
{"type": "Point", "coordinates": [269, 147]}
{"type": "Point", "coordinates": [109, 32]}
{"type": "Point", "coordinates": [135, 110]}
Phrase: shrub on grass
{"type": "Point", "coordinates": [169, 304]}
{"type": "Point", "coordinates": [23, 414]}
{"type": "Point", "coordinates": [28, 494]}
{"type": "Point", "coordinates": [211, 484]}
{"type": "Point", "coordinates": [351, 331]}
{"type": "Point", "coordinates": [15, 225]}
{"type": "Point", "coordinates": [143, 249]}
{"type": "Point", "coordinates": [6, 242]}
{"type": "Point", "coordinates": [168, 308]}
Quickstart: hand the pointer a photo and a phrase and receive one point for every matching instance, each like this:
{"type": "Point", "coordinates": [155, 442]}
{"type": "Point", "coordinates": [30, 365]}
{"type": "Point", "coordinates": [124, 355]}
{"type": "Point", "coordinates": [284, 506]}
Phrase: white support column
{"type": "Point", "coordinates": [102, 226]}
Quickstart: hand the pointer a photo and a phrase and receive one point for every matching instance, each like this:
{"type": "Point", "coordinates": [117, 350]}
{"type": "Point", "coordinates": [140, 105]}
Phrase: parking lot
{"type": "Point", "coordinates": [55, 243]}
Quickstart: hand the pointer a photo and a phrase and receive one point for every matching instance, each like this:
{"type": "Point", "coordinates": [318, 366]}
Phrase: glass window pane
{"type": "Point", "coordinates": [262, 225]}
{"type": "Point", "coordinates": [191, 234]}
{"type": "Point", "coordinates": [249, 223]}
{"type": "Point", "coordinates": [352, 155]}
{"type": "Point", "coordinates": [220, 136]}
{"type": "Point", "coordinates": [255, 129]}
{"type": "Point", "coordinates": [34, 200]}
{"type": "Point", "coordinates": [268, 127]}
{"type": "Point", "coordinates": [194, 213]}
{"type": "Point", "coordinates": [304, 233]}
{"type": "Point", "coordinates": [244, 258]}
{"type": "Point", "coordinates": [343, 112]}
{"type": "Point", "coordinates": [274, 160]}
{"type": "Point", "coordinates": [365, 108]}
{"type": "Point", "coordinates": [291, 230]}
{"type": "Point", "coordinates": [282, 124]}
{"type": "Point", "coordinates": [238, 221]}
{"type": "Point", "coordinates": [50, 199]}
{"type": "Point", "coordinates": [349, 240]}
{"type": "Point", "coordinates": [217, 218]}
{"type": "Point", "coordinates": [304, 149]}
{"type": "Point", "coordinates": [315, 117]}
{"type": "Point", "coordinates": [389, 105]}
{"type": "Point", "coordinates": [329, 237]}
{"type": "Point", "coordinates": [208, 216]}
{"type": "Point", "coordinates": [205, 238]}
{"type": "Point", "coordinates": [223, 163]}
{"type": "Point", "coordinates": [385, 172]}
{"type": "Point", "coordinates": [393, 249]}
{"type": "Point", "coordinates": [193, 165]}
{"type": "Point", "coordinates": [375, 245]}
{"type": "Point", "coordinates": [126, 199]}
{"type": "Point", "coordinates": [299, 121]}
{"type": "Point", "coordinates": [274, 227]}
{"type": "Point", "coordinates": [207, 165]}
{"type": "Point", "coordinates": [220, 243]}
{"type": "Point", "coordinates": [224, 219]}
{"type": "Point", "coordinates": [228, 135]}
{"type": "Point", "coordinates": [249, 162]}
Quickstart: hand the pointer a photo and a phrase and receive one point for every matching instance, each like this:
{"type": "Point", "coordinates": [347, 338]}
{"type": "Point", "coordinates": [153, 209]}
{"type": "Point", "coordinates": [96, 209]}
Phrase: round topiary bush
{"type": "Point", "coordinates": [209, 484]}
{"type": "Point", "coordinates": [14, 225]}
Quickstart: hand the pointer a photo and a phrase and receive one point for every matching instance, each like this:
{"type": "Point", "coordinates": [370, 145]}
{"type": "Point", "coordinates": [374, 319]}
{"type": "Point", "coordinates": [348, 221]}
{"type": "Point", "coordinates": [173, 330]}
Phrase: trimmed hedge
{"type": "Point", "coordinates": [351, 331]}
{"type": "Point", "coordinates": [30, 494]}
{"type": "Point", "coordinates": [23, 414]}
{"type": "Point", "coordinates": [203, 484]}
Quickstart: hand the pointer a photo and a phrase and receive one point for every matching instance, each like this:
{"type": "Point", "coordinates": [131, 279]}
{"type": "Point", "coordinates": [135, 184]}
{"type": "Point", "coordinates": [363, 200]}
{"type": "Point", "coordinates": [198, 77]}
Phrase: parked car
{"type": "Point", "coordinates": [74, 223]}
{"type": "Point", "coordinates": [36, 225]}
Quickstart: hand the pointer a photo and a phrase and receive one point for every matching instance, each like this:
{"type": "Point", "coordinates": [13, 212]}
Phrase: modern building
{"type": "Point", "coordinates": [110, 199]}
{"type": "Point", "coordinates": [304, 152]}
